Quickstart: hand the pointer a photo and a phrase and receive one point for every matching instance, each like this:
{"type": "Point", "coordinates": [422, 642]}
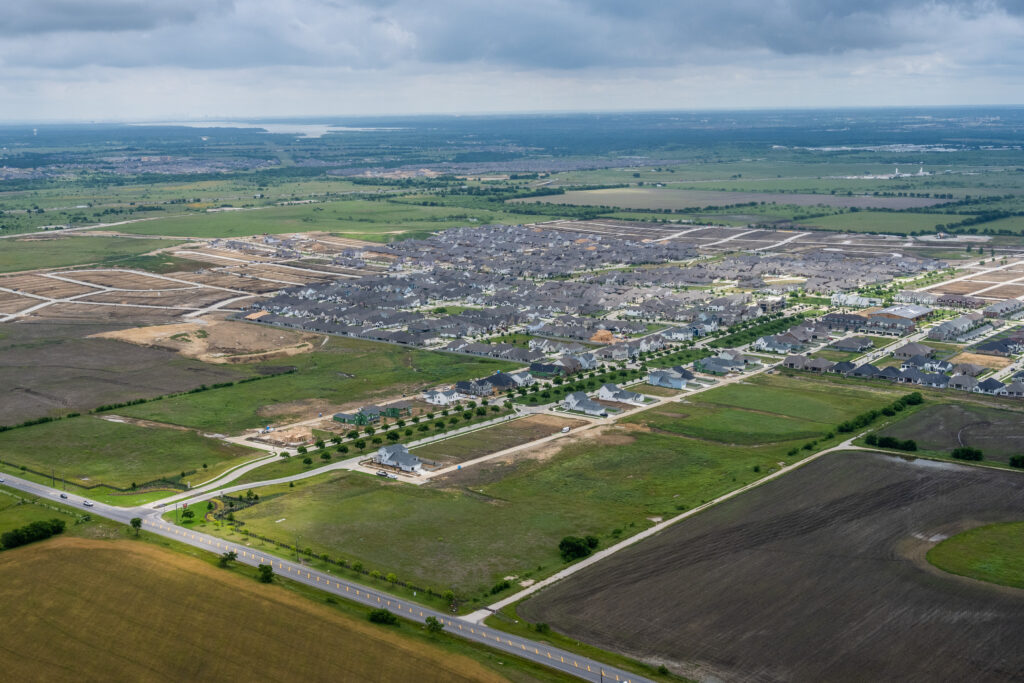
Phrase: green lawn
{"type": "Point", "coordinates": [92, 451]}
{"type": "Point", "coordinates": [729, 425]}
{"type": "Point", "coordinates": [27, 254]}
{"type": "Point", "coordinates": [881, 221]}
{"type": "Point", "coordinates": [344, 370]}
{"type": "Point", "coordinates": [993, 553]}
{"type": "Point", "coordinates": [835, 355]}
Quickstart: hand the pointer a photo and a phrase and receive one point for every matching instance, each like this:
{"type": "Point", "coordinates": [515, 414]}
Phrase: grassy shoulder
{"type": "Point", "coordinates": [508, 620]}
{"type": "Point", "coordinates": [993, 553]}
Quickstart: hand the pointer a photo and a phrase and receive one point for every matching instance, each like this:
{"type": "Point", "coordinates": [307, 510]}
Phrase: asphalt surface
{"type": "Point", "coordinates": [541, 653]}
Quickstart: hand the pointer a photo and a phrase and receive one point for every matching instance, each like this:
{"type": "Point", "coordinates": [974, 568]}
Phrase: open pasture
{"type": "Point", "coordinates": [493, 439]}
{"type": "Point", "coordinates": [819, 575]}
{"type": "Point", "coordinates": [665, 198]}
{"type": "Point", "coordinates": [56, 252]}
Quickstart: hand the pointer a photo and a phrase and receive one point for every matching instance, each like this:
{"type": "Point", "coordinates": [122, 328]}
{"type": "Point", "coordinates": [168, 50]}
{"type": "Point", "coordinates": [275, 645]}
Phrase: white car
{"type": "Point", "coordinates": [2, 481]}
{"type": "Point", "coordinates": [565, 430]}
{"type": "Point", "coordinates": [87, 503]}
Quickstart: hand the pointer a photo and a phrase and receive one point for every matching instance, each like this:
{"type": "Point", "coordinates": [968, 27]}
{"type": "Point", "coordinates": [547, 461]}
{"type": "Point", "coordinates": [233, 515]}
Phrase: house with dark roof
{"type": "Point", "coordinates": [990, 386]}
{"type": "Point", "coordinates": [666, 378]}
{"type": "Point", "coordinates": [578, 401]}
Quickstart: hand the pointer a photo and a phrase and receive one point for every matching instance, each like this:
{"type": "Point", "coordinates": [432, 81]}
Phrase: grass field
{"type": "Point", "coordinates": [827, 558]}
{"type": "Point", "coordinates": [941, 428]}
{"type": "Point", "coordinates": [92, 451]}
{"type": "Point", "coordinates": [993, 553]}
{"type": "Point", "coordinates": [152, 614]}
{"type": "Point", "coordinates": [504, 517]}
{"type": "Point", "coordinates": [493, 439]}
{"type": "Point", "coordinates": [346, 370]}
{"type": "Point", "coordinates": [57, 252]}
{"type": "Point", "coordinates": [357, 218]}
{"type": "Point", "coordinates": [881, 221]}
{"type": "Point", "coordinates": [16, 512]}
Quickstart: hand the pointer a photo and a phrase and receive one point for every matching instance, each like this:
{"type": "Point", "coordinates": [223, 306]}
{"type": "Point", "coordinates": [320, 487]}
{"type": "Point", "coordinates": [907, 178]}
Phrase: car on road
{"type": "Point", "coordinates": [391, 475]}
{"type": "Point", "coordinates": [565, 430]}
{"type": "Point", "coordinates": [64, 496]}
{"type": "Point", "coordinates": [1, 480]}
{"type": "Point", "coordinates": [87, 503]}
{"type": "Point", "coordinates": [381, 473]}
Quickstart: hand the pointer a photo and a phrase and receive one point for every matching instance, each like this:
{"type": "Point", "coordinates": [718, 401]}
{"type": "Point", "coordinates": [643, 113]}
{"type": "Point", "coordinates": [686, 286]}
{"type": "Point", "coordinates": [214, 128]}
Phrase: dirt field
{"type": "Point", "coordinates": [494, 439]}
{"type": "Point", "coordinates": [51, 368]}
{"type": "Point", "coordinates": [220, 341]}
{"type": "Point", "coordinates": [998, 433]}
{"type": "Point", "coordinates": [818, 576]}
{"type": "Point", "coordinates": [155, 615]}
{"type": "Point", "coordinates": [652, 198]}
{"type": "Point", "coordinates": [994, 362]}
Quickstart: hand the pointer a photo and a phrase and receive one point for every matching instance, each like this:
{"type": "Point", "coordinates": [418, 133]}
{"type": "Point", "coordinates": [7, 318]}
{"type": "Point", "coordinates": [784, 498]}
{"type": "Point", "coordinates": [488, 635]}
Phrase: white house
{"type": "Point", "coordinates": [397, 456]}
{"type": "Point", "coordinates": [612, 392]}
{"type": "Point", "coordinates": [580, 402]}
{"type": "Point", "coordinates": [441, 397]}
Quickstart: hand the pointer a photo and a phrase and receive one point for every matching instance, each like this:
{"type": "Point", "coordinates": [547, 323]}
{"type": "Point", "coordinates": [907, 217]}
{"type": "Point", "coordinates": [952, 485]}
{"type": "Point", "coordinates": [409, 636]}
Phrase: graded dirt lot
{"type": "Point", "coordinates": [998, 433]}
{"type": "Point", "coordinates": [154, 615]}
{"type": "Point", "coordinates": [50, 368]}
{"type": "Point", "coordinates": [817, 576]}
{"type": "Point", "coordinates": [220, 341]}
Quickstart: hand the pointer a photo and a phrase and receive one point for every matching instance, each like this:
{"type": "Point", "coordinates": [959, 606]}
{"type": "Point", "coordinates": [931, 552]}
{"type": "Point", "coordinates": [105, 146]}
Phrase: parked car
{"type": "Point", "coordinates": [565, 430]}
{"type": "Point", "coordinates": [381, 473]}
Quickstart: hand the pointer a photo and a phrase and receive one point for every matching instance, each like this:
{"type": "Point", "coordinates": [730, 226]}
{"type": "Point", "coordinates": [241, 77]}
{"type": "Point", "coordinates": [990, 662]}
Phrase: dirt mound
{"type": "Point", "coordinates": [220, 341]}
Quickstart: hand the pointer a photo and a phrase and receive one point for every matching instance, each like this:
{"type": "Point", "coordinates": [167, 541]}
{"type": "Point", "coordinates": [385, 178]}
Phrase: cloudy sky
{"type": "Point", "coordinates": [195, 59]}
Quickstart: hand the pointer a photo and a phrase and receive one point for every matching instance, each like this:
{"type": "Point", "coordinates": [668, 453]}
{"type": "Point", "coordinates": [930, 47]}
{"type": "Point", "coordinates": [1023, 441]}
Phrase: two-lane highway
{"type": "Point", "coordinates": [542, 653]}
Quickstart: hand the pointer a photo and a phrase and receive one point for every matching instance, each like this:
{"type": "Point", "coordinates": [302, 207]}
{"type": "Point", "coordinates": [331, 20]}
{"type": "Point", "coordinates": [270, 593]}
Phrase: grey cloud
{"type": "Point", "coordinates": [21, 17]}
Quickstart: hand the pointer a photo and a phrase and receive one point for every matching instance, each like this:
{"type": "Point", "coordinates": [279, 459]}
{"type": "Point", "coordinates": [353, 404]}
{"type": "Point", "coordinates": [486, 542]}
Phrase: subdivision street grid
{"type": "Point", "coordinates": [542, 653]}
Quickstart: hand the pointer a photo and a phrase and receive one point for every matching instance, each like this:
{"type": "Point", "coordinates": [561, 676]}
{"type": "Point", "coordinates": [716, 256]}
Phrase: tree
{"type": "Point", "coordinates": [391, 577]}
{"type": "Point", "coordinates": [1017, 461]}
{"type": "Point", "coordinates": [325, 456]}
{"type": "Point", "coordinates": [266, 573]}
{"type": "Point", "coordinates": [449, 596]}
{"type": "Point", "coordinates": [967, 453]}
{"type": "Point", "coordinates": [573, 548]}
{"type": "Point", "coordinates": [307, 461]}
{"type": "Point", "coordinates": [227, 558]}
{"type": "Point", "coordinates": [434, 625]}
{"type": "Point", "coordinates": [188, 514]}
{"type": "Point", "coordinates": [383, 616]}
{"type": "Point", "coordinates": [136, 524]}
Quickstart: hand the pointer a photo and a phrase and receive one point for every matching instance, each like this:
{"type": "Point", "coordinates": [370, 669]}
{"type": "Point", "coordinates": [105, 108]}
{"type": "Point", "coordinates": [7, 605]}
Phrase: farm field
{"type": "Point", "coordinates": [609, 482]}
{"type": "Point", "coordinates": [345, 371]}
{"type": "Point", "coordinates": [655, 198]}
{"type": "Point", "coordinates": [53, 368]}
{"type": "Point", "coordinates": [55, 252]}
{"type": "Point", "coordinates": [828, 559]}
{"type": "Point", "coordinates": [493, 439]}
{"type": "Point", "coordinates": [284, 633]}
{"type": "Point", "coordinates": [92, 451]}
{"type": "Point", "coordinates": [993, 553]}
{"type": "Point", "coordinates": [357, 218]}
{"type": "Point", "coordinates": [941, 428]}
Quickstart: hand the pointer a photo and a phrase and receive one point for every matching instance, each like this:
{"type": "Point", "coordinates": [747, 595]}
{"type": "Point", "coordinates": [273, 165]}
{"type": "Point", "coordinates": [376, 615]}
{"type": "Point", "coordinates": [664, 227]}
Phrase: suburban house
{"type": "Point", "coordinates": [441, 397]}
{"type": "Point", "coordinates": [399, 457]}
{"type": "Point", "coordinates": [717, 366]}
{"type": "Point", "coordinates": [666, 378]}
{"type": "Point", "coordinates": [613, 392]}
{"type": "Point", "coordinates": [370, 414]}
{"type": "Point", "coordinates": [958, 329]}
{"type": "Point", "coordinates": [911, 349]}
{"type": "Point", "coordinates": [578, 401]}
{"type": "Point", "coordinates": [963, 382]}
{"type": "Point", "coordinates": [989, 386]}
{"type": "Point", "coordinates": [1014, 389]}
{"type": "Point", "coordinates": [1004, 309]}
{"type": "Point", "coordinates": [858, 344]}
{"type": "Point", "coordinates": [475, 387]}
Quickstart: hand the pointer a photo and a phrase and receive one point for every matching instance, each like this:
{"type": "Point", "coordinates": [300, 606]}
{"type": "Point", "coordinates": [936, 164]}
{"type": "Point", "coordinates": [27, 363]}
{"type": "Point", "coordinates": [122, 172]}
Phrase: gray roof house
{"type": "Point", "coordinates": [580, 402]}
{"type": "Point", "coordinates": [397, 456]}
{"type": "Point", "coordinates": [613, 392]}
{"type": "Point", "coordinates": [666, 378]}
{"type": "Point", "coordinates": [963, 382]}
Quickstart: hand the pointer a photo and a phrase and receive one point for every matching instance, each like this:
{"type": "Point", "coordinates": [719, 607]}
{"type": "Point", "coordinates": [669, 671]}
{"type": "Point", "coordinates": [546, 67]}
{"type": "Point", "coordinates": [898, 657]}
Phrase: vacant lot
{"type": "Point", "coordinates": [879, 221]}
{"type": "Point", "coordinates": [220, 341]}
{"type": "Point", "coordinates": [494, 439]}
{"type": "Point", "coordinates": [342, 371]}
{"type": "Point", "coordinates": [16, 512]}
{"type": "Point", "coordinates": [154, 615]}
{"type": "Point", "coordinates": [70, 250]}
{"type": "Point", "coordinates": [91, 450]}
{"type": "Point", "coordinates": [941, 428]}
{"type": "Point", "coordinates": [49, 368]}
{"type": "Point", "coordinates": [654, 198]}
{"type": "Point", "coordinates": [819, 575]}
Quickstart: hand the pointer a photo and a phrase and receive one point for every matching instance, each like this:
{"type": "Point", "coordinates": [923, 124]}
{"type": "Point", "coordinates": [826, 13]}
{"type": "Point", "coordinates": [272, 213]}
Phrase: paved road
{"type": "Point", "coordinates": [562, 660]}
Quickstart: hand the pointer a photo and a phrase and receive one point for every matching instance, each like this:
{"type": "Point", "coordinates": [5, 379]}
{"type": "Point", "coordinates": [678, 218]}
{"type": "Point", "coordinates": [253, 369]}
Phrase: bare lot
{"type": "Point", "coordinates": [655, 198]}
{"type": "Point", "coordinates": [998, 433]}
{"type": "Point", "coordinates": [49, 368]}
{"type": "Point", "coordinates": [494, 439]}
{"type": "Point", "coordinates": [817, 576]}
{"type": "Point", "coordinates": [220, 341]}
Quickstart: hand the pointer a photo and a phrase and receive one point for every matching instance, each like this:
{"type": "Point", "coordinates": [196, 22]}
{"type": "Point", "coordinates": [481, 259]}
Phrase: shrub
{"type": "Point", "coordinates": [573, 548]}
{"type": "Point", "coordinates": [967, 453]}
{"type": "Point", "coordinates": [500, 586]}
{"type": "Point", "coordinates": [30, 533]}
{"type": "Point", "coordinates": [383, 616]}
{"type": "Point", "coordinates": [871, 439]}
{"type": "Point", "coordinates": [1017, 461]}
